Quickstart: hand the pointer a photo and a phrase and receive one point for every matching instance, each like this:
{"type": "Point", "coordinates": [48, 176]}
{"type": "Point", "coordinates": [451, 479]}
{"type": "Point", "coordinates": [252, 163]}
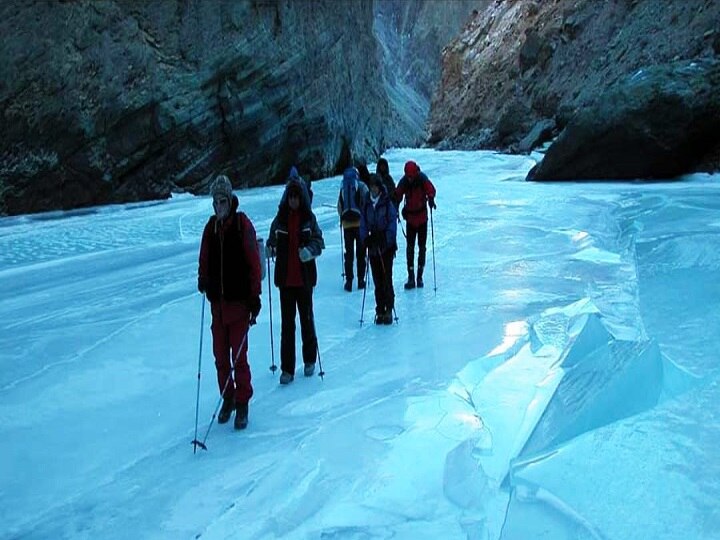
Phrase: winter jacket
{"type": "Point", "coordinates": [417, 191]}
{"type": "Point", "coordinates": [378, 225]}
{"type": "Point", "coordinates": [229, 263]}
{"type": "Point", "coordinates": [310, 237]}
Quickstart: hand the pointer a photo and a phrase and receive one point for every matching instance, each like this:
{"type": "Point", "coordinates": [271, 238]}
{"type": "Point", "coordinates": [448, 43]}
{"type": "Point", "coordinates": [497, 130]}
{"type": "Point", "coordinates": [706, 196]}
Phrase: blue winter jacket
{"type": "Point", "coordinates": [379, 224]}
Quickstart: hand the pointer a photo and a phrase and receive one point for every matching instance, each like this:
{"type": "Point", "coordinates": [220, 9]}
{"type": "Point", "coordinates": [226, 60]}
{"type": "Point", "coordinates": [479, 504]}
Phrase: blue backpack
{"type": "Point", "coordinates": [350, 195]}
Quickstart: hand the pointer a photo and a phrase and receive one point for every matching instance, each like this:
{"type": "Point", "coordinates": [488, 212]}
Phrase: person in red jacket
{"type": "Point", "coordinates": [419, 192]}
{"type": "Point", "coordinates": [229, 274]}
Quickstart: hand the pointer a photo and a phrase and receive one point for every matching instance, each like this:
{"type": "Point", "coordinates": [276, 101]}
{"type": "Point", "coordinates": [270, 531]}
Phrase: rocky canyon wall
{"type": "Point", "coordinates": [624, 76]}
{"type": "Point", "coordinates": [121, 100]}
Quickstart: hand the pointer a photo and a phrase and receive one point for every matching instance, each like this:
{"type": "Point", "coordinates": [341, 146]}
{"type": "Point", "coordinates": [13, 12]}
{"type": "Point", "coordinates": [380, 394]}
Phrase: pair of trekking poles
{"type": "Point", "coordinates": [342, 261]}
{"type": "Point", "coordinates": [202, 444]}
{"type": "Point", "coordinates": [432, 242]}
{"type": "Point", "coordinates": [367, 265]}
{"type": "Point", "coordinates": [273, 367]}
{"type": "Point", "coordinates": [195, 441]}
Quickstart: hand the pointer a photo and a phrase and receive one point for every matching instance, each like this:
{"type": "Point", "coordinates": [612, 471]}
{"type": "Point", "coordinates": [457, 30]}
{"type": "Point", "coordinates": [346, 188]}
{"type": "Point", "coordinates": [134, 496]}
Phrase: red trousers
{"type": "Point", "coordinates": [230, 324]}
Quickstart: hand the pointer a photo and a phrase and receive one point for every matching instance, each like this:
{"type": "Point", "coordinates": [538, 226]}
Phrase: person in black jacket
{"type": "Point", "coordinates": [295, 240]}
{"type": "Point", "coordinates": [229, 274]}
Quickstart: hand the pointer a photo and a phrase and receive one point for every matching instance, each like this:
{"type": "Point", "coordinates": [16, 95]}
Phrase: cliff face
{"type": "Point", "coordinates": [521, 69]}
{"type": "Point", "coordinates": [121, 100]}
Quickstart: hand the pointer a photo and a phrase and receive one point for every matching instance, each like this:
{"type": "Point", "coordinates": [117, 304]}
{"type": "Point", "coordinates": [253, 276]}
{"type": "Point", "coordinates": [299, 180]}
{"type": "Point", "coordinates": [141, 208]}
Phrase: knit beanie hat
{"type": "Point", "coordinates": [221, 187]}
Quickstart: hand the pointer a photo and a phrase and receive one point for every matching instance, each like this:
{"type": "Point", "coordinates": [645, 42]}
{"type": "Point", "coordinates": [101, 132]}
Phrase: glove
{"type": "Point", "coordinates": [269, 251]}
{"type": "Point", "coordinates": [305, 254]}
{"type": "Point", "coordinates": [254, 306]}
{"type": "Point", "coordinates": [202, 284]}
{"type": "Point", "coordinates": [432, 204]}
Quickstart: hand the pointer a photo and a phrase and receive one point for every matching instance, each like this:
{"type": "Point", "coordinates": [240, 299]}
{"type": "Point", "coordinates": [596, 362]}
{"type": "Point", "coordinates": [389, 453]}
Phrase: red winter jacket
{"type": "Point", "coordinates": [417, 191]}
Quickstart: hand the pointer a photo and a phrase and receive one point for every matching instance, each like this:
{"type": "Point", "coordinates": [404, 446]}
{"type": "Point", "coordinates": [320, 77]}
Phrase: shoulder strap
{"type": "Point", "coordinates": [240, 219]}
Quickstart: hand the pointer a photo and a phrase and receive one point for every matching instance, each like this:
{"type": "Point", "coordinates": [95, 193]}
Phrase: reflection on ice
{"type": "Point", "coordinates": [513, 331]}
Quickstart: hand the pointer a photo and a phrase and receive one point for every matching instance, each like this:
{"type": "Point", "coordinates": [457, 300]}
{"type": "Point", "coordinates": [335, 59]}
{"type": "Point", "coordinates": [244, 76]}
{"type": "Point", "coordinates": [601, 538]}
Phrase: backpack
{"type": "Point", "coordinates": [350, 196]}
{"type": "Point", "coordinates": [259, 241]}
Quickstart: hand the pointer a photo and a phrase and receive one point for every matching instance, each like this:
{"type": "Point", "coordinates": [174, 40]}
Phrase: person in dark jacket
{"type": "Point", "coordinates": [349, 212]}
{"type": "Point", "coordinates": [418, 191]}
{"type": "Point", "coordinates": [382, 169]}
{"type": "Point", "coordinates": [229, 274]}
{"type": "Point", "coordinates": [295, 240]}
{"type": "Point", "coordinates": [378, 231]}
{"type": "Point", "coordinates": [363, 172]}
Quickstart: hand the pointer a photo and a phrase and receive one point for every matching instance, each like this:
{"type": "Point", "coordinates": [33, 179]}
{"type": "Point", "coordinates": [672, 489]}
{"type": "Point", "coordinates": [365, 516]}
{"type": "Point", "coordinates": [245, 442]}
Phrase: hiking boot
{"type": "Point", "coordinates": [411, 278]}
{"type": "Point", "coordinates": [361, 284]}
{"type": "Point", "coordinates": [286, 378]}
{"type": "Point", "coordinates": [379, 318]}
{"type": "Point", "coordinates": [348, 285]}
{"type": "Point", "coordinates": [309, 369]}
{"type": "Point", "coordinates": [226, 410]}
{"type": "Point", "coordinates": [419, 282]}
{"type": "Point", "coordinates": [241, 415]}
{"type": "Point", "coordinates": [388, 317]}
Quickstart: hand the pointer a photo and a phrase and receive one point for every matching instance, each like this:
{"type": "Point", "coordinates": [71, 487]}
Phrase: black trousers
{"type": "Point", "coordinates": [300, 298]}
{"type": "Point", "coordinates": [351, 236]}
{"type": "Point", "coordinates": [382, 269]}
{"type": "Point", "coordinates": [421, 234]}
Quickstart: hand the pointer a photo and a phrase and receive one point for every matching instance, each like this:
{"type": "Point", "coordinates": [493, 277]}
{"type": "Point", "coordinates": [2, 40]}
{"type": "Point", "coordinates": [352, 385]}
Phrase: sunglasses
{"type": "Point", "coordinates": [219, 201]}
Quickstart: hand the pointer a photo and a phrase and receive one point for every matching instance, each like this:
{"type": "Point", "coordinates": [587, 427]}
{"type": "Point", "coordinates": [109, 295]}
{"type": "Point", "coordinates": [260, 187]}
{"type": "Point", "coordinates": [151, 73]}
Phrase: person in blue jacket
{"type": "Point", "coordinates": [378, 231]}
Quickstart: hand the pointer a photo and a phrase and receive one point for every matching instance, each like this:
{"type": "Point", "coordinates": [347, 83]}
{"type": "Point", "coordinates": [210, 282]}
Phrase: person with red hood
{"type": "Point", "coordinates": [229, 274]}
{"type": "Point", "coordinates": [419, 192]}
{"type": "Point", "coordinates": [295, 240]}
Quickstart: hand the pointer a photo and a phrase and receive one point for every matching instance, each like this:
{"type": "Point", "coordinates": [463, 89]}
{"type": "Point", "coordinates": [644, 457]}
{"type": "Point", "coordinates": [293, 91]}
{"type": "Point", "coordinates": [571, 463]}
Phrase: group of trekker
{"type": "Point", "coordinates": [230, 268]}
{"type": "Point", "coordinates": [368, 209]}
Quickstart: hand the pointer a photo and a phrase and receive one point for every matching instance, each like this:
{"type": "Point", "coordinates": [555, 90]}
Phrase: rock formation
{"type": "Point", "coordinates": [521, 71]}
{"type": "Point", "coordinates": [121, 100]}
{"type": "Point", "coordinates": [658, 123]}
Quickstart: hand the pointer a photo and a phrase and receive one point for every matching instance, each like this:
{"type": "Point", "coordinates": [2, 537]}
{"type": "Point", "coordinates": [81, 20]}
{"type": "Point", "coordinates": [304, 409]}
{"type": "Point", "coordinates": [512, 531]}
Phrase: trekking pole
{"type": "Point", "coordinates": [273, 367]}
{"type": "Point", "coordinates": [342, 251]}
{"type": "Point", "coordinates": [432, 239]}
{"type": "Point", "coordinates": [222, 394]}
{"type": "Point", "coordinates": [195, 442]}
{"type": "Point", "coordinates": [321, 373]}
{"type": "Point", "coordinates": [367, 264]}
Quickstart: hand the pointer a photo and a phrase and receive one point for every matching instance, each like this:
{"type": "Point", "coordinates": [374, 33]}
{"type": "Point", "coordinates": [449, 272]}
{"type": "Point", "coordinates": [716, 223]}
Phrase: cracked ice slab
{"type": "Point", "coordinates": [656, 474]}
